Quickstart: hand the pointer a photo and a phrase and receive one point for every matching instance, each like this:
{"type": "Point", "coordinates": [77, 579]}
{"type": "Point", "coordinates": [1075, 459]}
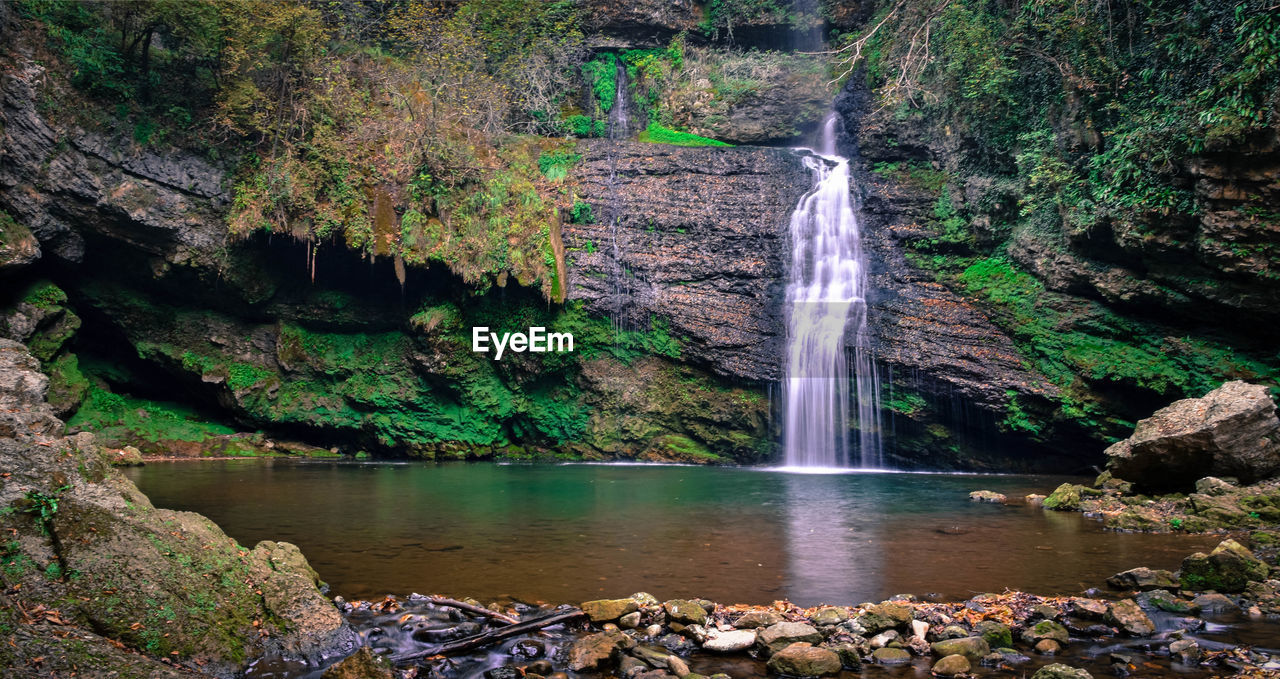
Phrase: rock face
{"type": "Point", "coordinates": [641, 23]}
{"type": "Point", "coordinates": [1231, 431]}
{"type": "Point", "coordinates": [86, 542]}
{"type": "Point", "coordinates": [694, 236]}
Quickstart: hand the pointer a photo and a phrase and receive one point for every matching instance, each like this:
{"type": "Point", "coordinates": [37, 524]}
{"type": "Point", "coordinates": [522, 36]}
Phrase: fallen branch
{"type": "Point", "coordinates": [472, 608]}
{"type": "Point", "coordinates": [486, 638]}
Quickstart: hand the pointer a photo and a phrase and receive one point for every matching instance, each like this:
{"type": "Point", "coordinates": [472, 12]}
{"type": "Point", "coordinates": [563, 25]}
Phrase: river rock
{"type": "Point", "coordinates": [988, 496]}
{"type": "Point", "coordinates": [363, 664]}
{"type": "Point", "coordinates": [685, 611]}
{"type": "Point", "coordinates": [605, 610]}
{"type": "Point", "coordinates": [1046, 629]}
{"type": "Point", "coordinates": [1092, 609]}
{"type": "Point", "coordinates": [677, 666]}
{"type": "Point", "coordinates": [595, 651]}
{"type": "Point", "coordinates": [1065, 498]}
{"type": "Point", "coordinates": [972, 648]}
{"type": "Point", "coordinates": [951, 665]}
{"type": "Point", "coordinates": [829, 616]}
{"type": "Point", "coordinates": [728, 642]}
{"type": "Point", "coordinates": [890, 656]}
{"type": "Point", "coordinates": [1060, 671]}
{"type": "Point", "coordinates": [1035, 499]}
{"type": "Point", "coordinates": [774, 638]}
{"type": "Point", "coordinates": [629, 667]}
{"type": "Point", "coordinates": [1127, 615]}
{"type": "Point", "coordinates": [127, 456]}
{"type": "Point", "coordinates": [883, 639]}
{"type": "Point", "coordinates": [1215, 603]}
{"type": "Point", "coordinates": [883, 616]}
{"type": "Point", "coordinates": [996, 634]}
{"type": "Point", "coordinates": [757, 619]}
{"type": "Point", "coordinates": [630, 620]}
{"type": "Point", "coordinates": [1228, 568]}
{"type": "Point", "coordinates": [805, 660]}
{"type": "Point", "coordinates": [1212, 485]}
{"type": "Point", "coordinates": [850, 653]}
{"type": "Point", "coordinates": [1160, 599]}
{"type": "Point", "coordinates": [1231, 431]}
{"type": "Point", "coordinates": [1186, 650]}
{"type": "Point", "coordinates": [1142, 579]}
{"type": "Point", "coordinates": [1048, 647]}
{"type": "Point", "coordinates": [504, 672]}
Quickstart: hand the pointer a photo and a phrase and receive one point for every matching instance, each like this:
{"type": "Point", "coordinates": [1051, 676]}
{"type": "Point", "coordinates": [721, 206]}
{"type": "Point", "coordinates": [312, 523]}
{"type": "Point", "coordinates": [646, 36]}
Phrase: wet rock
{"type": "Point", "coordinates": [919, 628]}
{"type": "Point", "coordinates": [805, 660]}
{"type": "Point", "coordinates": [1162, 600]}
{"type": "Point", "coordinates": [1065, 498]}
{"type": "Point", "coordinates": [1212, 485]}
{"type": "Point", "coordinates": [1128, 616]}
{"type": "Point", "coordinates": [1045, 611]}
{"type": "Point", "coordinates": [677, 666]}
{"type": "Point", "coordinates": [1215, 603]}
{"type": "Point", "coordinates": [1046, 629]}
{"type": "Point", "coordinates": [970, 647]}
{"type": "Point", "coordinates": [1228, 568]}
{"type": "Point", "coordinates": [605, 610]}
{"type": "Point", "coordinates": [630, 620]}
{"type": "Point", "coordinates": [1060, 671]}
{"type": "Point", "coordinates": [953, 632]}
{"type": "Point", "coordinates": [829, 616]}
{"type": "Point", "coordinates": [1142, 579]}
{"type": "Point", "coordinates": [364, 664]}
{"type": "Point", "coordinates": [890, 656]}
{"type": "Point", "coordinates": [1186, 650]}
{"type": "Point", "coordinates": [883, 616]}
{"type": "Point", "coordinates": [951, 665]}
{"type": "Point", "coordinates": [774, 638]}
{"type": "Point", "coordinates": [1093, 609]}
{"type": "Point", "coordinates": [677, 643]}
{"type": "Point", "coordinates": [629, 667]}
{"type": "Point", "coordinates": [127, 456]}
{"type": "Point", "coordinates": [504, 672]}
{"type": "Point", "coordinates": [988, 496]}
{"type": "Point", "coordinates": [728, 642]}
{"type": "Point", "coordinates": [996, 634]}
{"type": "Point", "coordinates": [850, 654]}
{"type": "Point", "coordinates": [529, 648]}
{"type": "Point", "coordinates": [757, 619]}
{"type": "Point", "coordinates": [655, 656]}
{"type": "Point", "coordinates": [1035, 500]}
{"type": "Point", "coordinates": [685, 611]}
{"type": "Point", "coordinates": [543, 667]}
{"type": "Point", "coordinates": [883, 639]}
{"type": "Point", "coordinates": [1231, 431]}
{"type": "Point", "coordinates": [645, 599]}
{"type": "Point", "coordinates": [1048, 647]}
{"type": "Point", "coordinates": [595, 651]}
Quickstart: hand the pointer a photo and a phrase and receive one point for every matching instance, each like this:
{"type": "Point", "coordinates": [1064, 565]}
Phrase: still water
{"type": "Point", "coordinates": [567, 533]}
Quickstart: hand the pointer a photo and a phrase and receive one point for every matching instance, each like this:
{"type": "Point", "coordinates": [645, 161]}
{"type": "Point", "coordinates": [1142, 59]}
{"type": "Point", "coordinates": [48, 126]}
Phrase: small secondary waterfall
{"type": "Point", "coordinates": [826, 296]}
{"type": "Point", "coordinates": [619, 115]}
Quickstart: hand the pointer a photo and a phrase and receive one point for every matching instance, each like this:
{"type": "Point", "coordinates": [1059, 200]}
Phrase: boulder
{"type": "Point", "coordinates": [1127, 615]}
{"type": "Point", "coordinates": [1229, 568]}
{"type": "Point", "coordinates": [805, 660]}
{"type": "Point", "coordinates": [973, 648]}
{"type": "Point", "coordinates": [996, 634]}
{"type": "Point", "coordinates": [774, 638]}
{"type": "Point", "coordinates": [890, 656]}
{"type": "Point", "coordinates": [1142, 579]}
{"type": "Point", "coordinates": [951, 665]}
{"type": "Point", "coordinates": [1046, 629]}
{"type": "Point", "coordinates": [1060, 671]}
{"type": "Point", "coordinates": [887, 615]}
{"type": "Point", "coordinates": [594, 652]}
{"type": "Point", "coordinates": [1231, 431]}
{"type": "Point", "coordinates": [1212, 485]}
{"type": "Point", "coordinates": [729, 642]}
{"type": "Point", "coordinates": [607, 610]}
{"type": "Point", "coordinates": [685, 611]}
{"type": "Point", "coordinates": [127, 456]}
{"type": "Point", "coordinates": [988, 496]}
{"type": "Point", "coordinates": [1065, 498]}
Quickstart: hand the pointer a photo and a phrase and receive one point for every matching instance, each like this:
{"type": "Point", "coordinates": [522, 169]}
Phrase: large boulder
{"type": "Point", "coordinates": [805, 660]}
{"type": "Point", "coordinates": [1230, 567]}
{"type": "Point", "coordinates": [1231, 431]}
{"type": "Point", "coordinates": [85, 542]}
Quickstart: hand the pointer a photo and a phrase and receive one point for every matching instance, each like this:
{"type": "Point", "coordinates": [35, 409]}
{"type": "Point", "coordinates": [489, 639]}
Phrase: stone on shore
{"type": "Point", "coordinates": [1228, 568]}
{"type": "Point", "coordinates": [805, 660]}
{"type": "Point", "coordinates": [972, 648]}
{"type": "Point", "coordinates": [685, 611]}
{"type": "Point", "coordinates": [1128, 616]}
{"type": "Point", "coordinates": [1231, 431]}
{"type": "Point", "coordinates": [1142, 579]}
{"type": "Point", "coordinates": [594, 652]}
{"type": "Point", "coordinates": [756, 619]}
{"type": "Point", "coordinates": [127, 456]}
{"type": "Point", "coordinates": [608, 610]}
{"type": "Point", "coordinates": [774, 638]}
{"type": "Point", "coordinates": [951, 665]}
{"type": "Point", "coordinates": [890, 656]}
{"type": "Point", "coordinates": [729, 642]}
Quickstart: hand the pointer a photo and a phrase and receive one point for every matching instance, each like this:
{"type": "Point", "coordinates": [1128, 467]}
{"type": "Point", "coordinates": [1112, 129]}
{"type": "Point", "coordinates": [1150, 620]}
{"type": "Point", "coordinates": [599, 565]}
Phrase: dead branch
{"type": "Point", "coordinates": [487, 638]}
{"type": "Point", "coordinates": [471, 608]}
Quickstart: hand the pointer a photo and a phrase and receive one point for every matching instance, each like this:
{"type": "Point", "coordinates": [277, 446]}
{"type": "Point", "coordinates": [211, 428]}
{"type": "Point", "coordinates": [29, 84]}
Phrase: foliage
{"type": "Point", "coordinates": [581, 213]}
{"type": "Point", "coordinates": [120, 417]}
{"type": "Point", "coordinates": [657, 134]}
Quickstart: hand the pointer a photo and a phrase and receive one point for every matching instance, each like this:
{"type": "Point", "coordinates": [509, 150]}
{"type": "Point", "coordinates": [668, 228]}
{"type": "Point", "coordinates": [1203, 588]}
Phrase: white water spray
{"type": "Point", "coordinates": [826, 297]}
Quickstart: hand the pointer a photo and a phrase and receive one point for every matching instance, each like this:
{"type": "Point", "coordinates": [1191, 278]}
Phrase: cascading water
{"type": "Point", "coordinates": [619, 115]}
{"type": "Point", "coordinates": [826, 296]}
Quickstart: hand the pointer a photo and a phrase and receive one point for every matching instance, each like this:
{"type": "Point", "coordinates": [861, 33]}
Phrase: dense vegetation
{"type": "Point", "coordinates": [1081, 125]}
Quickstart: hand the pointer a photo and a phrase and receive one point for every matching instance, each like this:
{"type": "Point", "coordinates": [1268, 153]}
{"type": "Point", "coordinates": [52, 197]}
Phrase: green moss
{"type": "Point", "coordinates": [67, 385]}
{"type": "Point", "coordinates": [45, 295]}
{"type": "Point", "coordinates": [658, 134]}
{"type": "Point", "coordinates": [125, 420]}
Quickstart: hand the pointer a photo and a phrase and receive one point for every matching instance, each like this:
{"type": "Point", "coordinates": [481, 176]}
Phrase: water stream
{"type": "Point", "coordinates": [827, 299]}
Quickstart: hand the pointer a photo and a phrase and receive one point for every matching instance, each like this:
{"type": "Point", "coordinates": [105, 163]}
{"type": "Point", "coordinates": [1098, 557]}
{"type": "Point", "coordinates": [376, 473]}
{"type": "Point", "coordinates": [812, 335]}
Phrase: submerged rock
{"type": "Point", "coordinates": [362, 664]}
{"type": "Point", "coordinates": [988, 496]}
{"type": "Point", "coordinates": [951, 665]}
{"type": "Point", "coordinates": [1231, 431]}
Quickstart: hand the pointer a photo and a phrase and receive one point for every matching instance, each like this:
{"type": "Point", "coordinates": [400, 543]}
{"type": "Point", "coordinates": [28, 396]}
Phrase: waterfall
{"type": "Point", "coordinates": [619, 118]}
{"type": "Point", "coordinates": [826, 297]}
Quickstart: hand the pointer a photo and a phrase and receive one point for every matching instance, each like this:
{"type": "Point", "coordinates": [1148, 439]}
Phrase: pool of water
{"type": "Point", "coordinates": [567, 533]}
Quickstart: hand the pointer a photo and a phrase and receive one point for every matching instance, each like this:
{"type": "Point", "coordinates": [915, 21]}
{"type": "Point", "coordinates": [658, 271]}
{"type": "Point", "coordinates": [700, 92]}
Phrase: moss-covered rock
{"type": "Point", "coordinates": [1230, 567]}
